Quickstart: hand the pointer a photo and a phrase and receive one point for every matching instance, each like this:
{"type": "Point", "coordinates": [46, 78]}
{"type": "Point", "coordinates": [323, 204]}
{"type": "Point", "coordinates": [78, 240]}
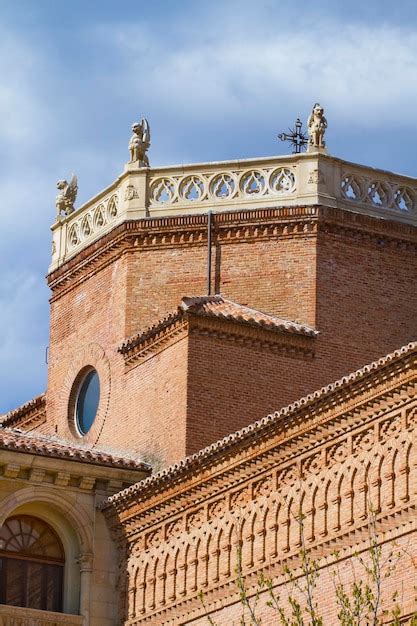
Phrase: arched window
{"type": "Point", "coordinates": [31, 564]}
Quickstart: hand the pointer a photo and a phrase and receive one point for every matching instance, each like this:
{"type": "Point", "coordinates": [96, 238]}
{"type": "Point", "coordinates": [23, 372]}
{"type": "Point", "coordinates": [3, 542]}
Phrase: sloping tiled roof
{"type": "Point", "coordinates": [219, 308]}
{"type": "Point", "coordinates": [12, 418]}
{"type": "Point", "coordinates": [35, 443]}
{"type": "Point", "coordinates": [178, 469]}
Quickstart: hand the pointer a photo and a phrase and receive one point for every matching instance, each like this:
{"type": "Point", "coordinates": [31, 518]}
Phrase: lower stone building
{"type": "Point", "coordinates": [192, 459]}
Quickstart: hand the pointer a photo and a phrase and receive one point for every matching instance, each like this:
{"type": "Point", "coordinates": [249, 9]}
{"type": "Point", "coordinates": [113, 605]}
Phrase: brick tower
{"type": "Point", "coordinates": [200, 315]}
{"type": "Point", "coordinates": [206, 296]}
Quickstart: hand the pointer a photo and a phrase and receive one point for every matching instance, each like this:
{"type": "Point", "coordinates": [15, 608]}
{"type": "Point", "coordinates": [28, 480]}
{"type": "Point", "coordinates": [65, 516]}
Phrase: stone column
{"type": "Point", "coordinates": [85, 562]}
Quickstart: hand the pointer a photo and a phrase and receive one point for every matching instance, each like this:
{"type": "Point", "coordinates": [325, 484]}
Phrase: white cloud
{"type": "Point", "coordinates": [215, 75]}
{"type": "Point", "coordinates": [362, 74]}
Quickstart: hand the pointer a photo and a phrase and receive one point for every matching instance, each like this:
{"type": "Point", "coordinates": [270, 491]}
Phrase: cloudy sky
{"type": "Point", "coordinates": [217, 80]}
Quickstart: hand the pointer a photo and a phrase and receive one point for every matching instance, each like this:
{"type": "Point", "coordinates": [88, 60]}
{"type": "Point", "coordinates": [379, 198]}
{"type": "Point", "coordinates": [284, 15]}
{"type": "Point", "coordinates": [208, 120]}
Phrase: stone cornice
{"type": "Point", "coordinates": [28, 467]}
{"type": "Point", "coordinates": [331, 402]}
{"type": "Point", "coordinates": [228, 227]}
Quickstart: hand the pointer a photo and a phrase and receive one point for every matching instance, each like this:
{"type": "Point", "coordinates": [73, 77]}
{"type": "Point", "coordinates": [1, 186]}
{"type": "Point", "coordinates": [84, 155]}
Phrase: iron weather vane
{"type": "Point", "coordinates": [296, 137]}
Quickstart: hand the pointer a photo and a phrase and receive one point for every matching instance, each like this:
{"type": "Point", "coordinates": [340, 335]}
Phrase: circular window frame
{"type": "Point", "coordinates": [84, 360]}
{"type": "Point", "coordinates": [75, 396]}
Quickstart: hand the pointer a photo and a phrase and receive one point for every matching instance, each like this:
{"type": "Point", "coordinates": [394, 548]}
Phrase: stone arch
{"type": "Point", "coordinates": [70, 521]}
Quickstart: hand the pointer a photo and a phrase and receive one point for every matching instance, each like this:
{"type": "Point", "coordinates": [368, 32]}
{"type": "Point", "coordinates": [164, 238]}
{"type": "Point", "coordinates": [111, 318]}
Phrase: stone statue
{"type": "Point", "coordinates": [67, 194]}
{"type": "Point", "coordinates": [317, 125]}
{"type": "Point", "coordinates": [139, 143]}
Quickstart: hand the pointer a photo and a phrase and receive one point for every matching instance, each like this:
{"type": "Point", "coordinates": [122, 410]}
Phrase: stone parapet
{"type": "Point", "coordinates": [300, 179]}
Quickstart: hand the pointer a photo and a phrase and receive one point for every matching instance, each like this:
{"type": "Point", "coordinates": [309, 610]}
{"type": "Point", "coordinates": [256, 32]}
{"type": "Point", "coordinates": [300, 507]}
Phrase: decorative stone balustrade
{"type": "Point", "coordinates": [299, 179]}
{"type": "Point", "coordinates": [16, 616]}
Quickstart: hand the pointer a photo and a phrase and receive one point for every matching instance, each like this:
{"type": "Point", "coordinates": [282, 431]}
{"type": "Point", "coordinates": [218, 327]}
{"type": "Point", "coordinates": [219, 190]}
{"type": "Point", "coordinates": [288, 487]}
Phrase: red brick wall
{"type": "Point", "coordinates": [276, 276]}
{"type": "Point", "coordinates": [146, 406]}
{"type": "Point", "coordinates": [358, 293]}
{"type": "Point", "coordinates": [366, 302]}
{"type": "Point", "coordinates": [158, 279]}
{"type": "Point", "coordinates": [401, 581]}
{"type": "Point", "coordinates": [92, 312]}
{"type": "Point", "coordinates": [149, 407]}
{"type": "Point", "coordinates": [232, 384]}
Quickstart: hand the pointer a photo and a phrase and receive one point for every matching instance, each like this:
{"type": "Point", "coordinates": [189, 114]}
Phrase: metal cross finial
{"type": "Point", "coordinates": [296, 137]}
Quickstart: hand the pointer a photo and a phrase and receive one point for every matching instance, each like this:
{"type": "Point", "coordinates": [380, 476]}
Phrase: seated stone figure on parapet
{"type": "Point", "coordinates": [316, 125]}
{"type": "Point", "coordinates": [140, 142]}
{"type": "Point", "coordinates": [66, 197]}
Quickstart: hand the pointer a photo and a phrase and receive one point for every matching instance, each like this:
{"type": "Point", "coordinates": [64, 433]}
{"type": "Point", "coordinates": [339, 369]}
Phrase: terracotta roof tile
{"type": "Point", "coordinates": [178, 469]}
{"type": "Point", "coordinates": [44, 445]}
{"type": "Point", "coordinates": [219, 308]}
{"type": "Point", "coordinates": [16, 415]}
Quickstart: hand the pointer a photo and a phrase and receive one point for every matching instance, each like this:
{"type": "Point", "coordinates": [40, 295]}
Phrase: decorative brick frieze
{"type": "Point", "coordinates": [228, 227]}
{"type": "Point", "coordinates": [332, 456]}
{"type": "Point", "coordinates": [265, 525]}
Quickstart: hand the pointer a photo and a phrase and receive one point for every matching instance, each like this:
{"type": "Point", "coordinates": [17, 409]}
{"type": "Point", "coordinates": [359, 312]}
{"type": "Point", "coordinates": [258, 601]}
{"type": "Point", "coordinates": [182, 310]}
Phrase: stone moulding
{"type": "Point", "coordinates": [301, 179]}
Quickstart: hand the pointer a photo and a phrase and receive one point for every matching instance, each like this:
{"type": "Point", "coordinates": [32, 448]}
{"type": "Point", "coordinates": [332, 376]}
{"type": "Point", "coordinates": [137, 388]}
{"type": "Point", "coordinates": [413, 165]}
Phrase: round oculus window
{"type": "Point", "coordinates": [87, 402]}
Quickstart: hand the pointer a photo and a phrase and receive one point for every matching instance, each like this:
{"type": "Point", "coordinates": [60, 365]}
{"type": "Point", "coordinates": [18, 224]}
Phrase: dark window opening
{"type": "Point", "coordinates": [87, 402]}
{"type": "Point", "coordinates": [31, 564]}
